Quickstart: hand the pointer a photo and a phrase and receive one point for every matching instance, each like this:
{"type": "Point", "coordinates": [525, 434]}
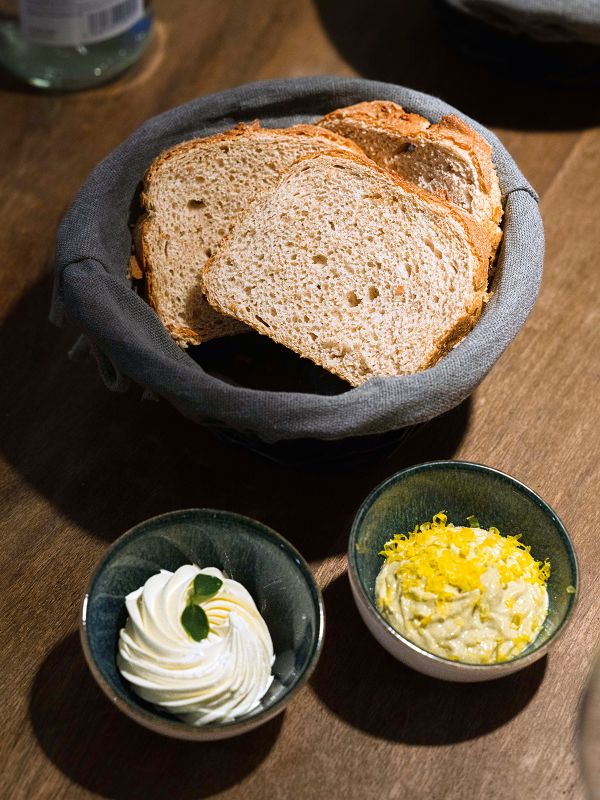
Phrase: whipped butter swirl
{"type": "Point", "coordinates": [217, 679]}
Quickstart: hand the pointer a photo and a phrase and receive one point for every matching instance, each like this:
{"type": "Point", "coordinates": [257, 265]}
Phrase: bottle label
{"type": "Point", "coordinates": [69, 23]}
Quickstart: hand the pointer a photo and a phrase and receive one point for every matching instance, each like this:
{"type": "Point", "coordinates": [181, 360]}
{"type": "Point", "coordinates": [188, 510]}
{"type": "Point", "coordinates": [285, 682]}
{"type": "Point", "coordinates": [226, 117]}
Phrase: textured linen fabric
{"type": "Point", "coordinates": [130, 342]}
{"type": "Point", "coordinates": [546, 20]}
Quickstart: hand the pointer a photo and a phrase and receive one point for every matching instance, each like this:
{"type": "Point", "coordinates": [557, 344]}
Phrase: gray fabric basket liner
{"type": "Point", "coordinates": [129, 341]}
{"type": "Point", "coordinates": [546, 20]}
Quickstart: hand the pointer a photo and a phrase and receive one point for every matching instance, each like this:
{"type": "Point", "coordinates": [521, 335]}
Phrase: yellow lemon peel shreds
{"type": "Point", "coordinates": [443, 559]}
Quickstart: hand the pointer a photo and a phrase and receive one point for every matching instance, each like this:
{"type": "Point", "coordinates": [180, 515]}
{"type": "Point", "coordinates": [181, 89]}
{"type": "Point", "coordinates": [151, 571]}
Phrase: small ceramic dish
{"type": "Point", "coordinates": [461, 489]}
{"type": "Point", "coordinates": [274, 573]}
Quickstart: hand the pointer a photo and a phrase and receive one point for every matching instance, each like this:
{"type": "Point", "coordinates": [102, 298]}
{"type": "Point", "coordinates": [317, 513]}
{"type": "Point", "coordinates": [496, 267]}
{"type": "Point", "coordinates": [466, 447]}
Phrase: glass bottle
{"type": "Point", "coordinates": [72, 44]}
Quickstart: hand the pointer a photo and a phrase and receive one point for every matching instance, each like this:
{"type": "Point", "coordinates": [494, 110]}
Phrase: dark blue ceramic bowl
{"type": "Point", "coordinates": [273, 571]}
{"type": "Point", "coordinates": [460, 489]}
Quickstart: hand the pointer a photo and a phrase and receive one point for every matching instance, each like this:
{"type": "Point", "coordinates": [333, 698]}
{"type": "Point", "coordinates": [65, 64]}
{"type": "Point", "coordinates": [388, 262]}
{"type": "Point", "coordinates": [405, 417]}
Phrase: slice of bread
{"type": "Point", "coordinates": [449, 158]}
{"type": "Point", "coordinates": [192, 195]}
{"type": "Point", "coordinates": [351, 266]}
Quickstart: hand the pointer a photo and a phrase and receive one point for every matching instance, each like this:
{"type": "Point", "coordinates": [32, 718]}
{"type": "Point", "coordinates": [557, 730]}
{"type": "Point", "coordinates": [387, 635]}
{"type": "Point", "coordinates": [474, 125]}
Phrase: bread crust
{"type": "Point", "coordinates": [184, 335]}
{"type": "Point", "coordinates": [455, 335]}
{"type": "Point", "coordinates": [387, 116]}
{"type": "Point", "coordinates": [383, 113]}
{"type": "Point", "coordinates": [134, 271]}
{"type": "Point", "coordinates": [242, 130]}
{"type": "Point", "coordinates": [391, 117]}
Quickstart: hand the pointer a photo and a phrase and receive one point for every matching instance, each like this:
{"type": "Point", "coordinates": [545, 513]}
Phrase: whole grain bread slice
{"type": "Point", "coordinates": [351, 266]}
{"type": "Point", "coordinates": [192, 195]}
{"type": "Point", "coordinates": [447, 158]}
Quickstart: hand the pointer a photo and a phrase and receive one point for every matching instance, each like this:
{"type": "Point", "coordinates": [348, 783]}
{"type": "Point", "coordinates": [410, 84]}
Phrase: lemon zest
{"type": "Point", "coordinates": [446, 560]}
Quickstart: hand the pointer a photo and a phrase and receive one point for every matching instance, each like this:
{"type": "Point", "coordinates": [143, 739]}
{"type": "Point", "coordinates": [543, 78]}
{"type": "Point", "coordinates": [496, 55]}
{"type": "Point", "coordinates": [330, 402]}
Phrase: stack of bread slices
{"type": "Point", "coordinates": [363, 242]}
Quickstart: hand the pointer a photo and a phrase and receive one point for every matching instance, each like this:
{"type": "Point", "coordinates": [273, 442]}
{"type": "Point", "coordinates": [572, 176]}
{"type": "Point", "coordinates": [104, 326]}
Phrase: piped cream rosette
{"type": "Point", "coordinates": [218, 679]}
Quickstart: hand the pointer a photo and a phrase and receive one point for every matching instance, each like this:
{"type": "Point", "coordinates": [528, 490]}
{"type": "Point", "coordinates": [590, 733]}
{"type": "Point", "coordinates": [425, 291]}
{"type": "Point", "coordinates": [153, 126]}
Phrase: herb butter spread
{"type": "Point", "coordinates": [203, 673]}
{"type": "Point", "coordinates": [463, 593]}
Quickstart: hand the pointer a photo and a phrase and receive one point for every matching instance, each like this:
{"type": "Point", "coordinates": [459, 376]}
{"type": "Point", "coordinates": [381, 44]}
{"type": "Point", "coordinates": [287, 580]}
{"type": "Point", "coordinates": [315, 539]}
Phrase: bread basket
{"type": "Point", "coordinates": [92, 286]}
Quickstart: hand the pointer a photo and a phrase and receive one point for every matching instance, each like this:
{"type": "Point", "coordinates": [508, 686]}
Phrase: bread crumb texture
{"type": "Point", "coordinates": [351, 267]}
{"type": "Point", "coordinates": [193, 194]}
{"type": "Point", "coordinates": [448, 159]}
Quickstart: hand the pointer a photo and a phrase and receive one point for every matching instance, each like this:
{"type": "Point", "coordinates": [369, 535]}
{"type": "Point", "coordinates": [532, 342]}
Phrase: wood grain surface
{"type": "Point", "coordinates": [80, 465]}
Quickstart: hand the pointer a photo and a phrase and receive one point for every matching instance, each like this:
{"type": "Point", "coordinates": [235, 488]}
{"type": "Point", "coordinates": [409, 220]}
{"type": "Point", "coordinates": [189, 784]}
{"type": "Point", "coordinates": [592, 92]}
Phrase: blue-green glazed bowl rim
{"type": "Point", "coordinates": [177, 728]}
{"type": "Point", "coordinates": [532, 652]}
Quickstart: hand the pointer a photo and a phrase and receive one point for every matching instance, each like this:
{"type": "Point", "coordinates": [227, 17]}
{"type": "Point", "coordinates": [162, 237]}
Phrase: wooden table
{"type": "Point", "coordinates": [81, 465]}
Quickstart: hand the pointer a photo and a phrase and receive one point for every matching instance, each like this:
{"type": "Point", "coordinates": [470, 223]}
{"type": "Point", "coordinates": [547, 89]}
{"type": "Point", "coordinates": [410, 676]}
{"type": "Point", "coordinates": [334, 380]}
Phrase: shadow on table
{"type": "Point", "coordinates": [404, 42]}
{"type": "Point", "coordinates": [99, 748]}
{"type": "Point", "coordinates": [365, 686]}
{"type": "Point", "coordinates": [108, 461]}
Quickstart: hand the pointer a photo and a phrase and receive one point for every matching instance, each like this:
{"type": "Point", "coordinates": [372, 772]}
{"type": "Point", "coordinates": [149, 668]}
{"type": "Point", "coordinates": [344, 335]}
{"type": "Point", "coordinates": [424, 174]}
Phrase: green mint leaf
{"type": "Point", "coordinates": [205, 586]}
{"type": "Point", "coordinates": [195, 622]}
{"type": "Point", "coordinates": [473, 522]}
